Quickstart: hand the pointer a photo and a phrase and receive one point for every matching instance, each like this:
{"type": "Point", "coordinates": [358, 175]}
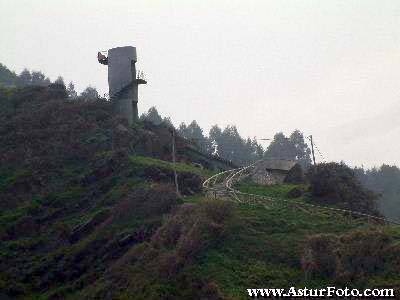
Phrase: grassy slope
{"type": "Point", "coordinates": [67, 195]}
{"type": "Point", "coordinates": [180, 167]}
{"type": "Point", "coordinates": [262, 247]}
{"type": "Point", "coordinates": [120, 183]}
{"type": "Point", "coordinates": [266, 244]}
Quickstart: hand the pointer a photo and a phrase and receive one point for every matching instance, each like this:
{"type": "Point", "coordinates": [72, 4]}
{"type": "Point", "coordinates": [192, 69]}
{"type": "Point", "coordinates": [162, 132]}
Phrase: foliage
{"type": "Point", "coordinates": [335, 183]}
{"type": "Point", "coordinates": [194, 133]}
{"type": "Point", "coordinates": [152, 116]}
{"type": "Point", "coordinates": [386, 181]}
{"type": "Point", "coordinates": [180, 167]}
{"type": "Point", "coordinates": [26, 77]}
{"type": "Point", "coordinates": [348, 257]}
{"type": "Point", "coordinates": [229, 145]}
{"type": "Point", "coordinates": [145, 202]}
{"type": "Point", "coordinates": [295, 175]}
{"type": "Point", "coordinates": [155, 118]}
{"type": "Point", "coordinates": [60, 81]}
{"type": "Point", "coordinates": [193, 227]}
{"type": "Point", "coordinates": [84, 217]}
{"type": "Point", "coordinates": [89, 94]}
{"type": "Point", "coordinates": [276, 190]}
{"type": "Point", "coordinates": [7, 77]}
{"type": "Point", "coordinates": [168, 257]}
{"type": "Point", "coordinates": [293, 148]}
{"type": "Point", "coordinates": [72, 94]}
{"type": "Point", "coordinates": [42, 126]}
{"type": "Point", "coordinates": [320, 257]}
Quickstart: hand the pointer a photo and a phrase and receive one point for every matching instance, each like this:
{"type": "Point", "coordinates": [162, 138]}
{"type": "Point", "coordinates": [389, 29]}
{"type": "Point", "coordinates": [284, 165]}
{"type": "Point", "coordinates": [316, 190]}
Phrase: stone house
{"type": "Point", "coordinates": [275, 171]}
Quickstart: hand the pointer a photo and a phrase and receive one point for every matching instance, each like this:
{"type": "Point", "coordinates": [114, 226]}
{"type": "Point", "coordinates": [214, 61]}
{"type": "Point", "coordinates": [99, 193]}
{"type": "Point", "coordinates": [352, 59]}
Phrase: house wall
{"type": "Point", "coordinates": [268, 177]}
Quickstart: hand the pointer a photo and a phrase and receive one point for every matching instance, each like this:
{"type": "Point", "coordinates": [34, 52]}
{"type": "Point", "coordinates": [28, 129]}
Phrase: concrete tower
{"type": "Point", "coordinates": [122, 80]}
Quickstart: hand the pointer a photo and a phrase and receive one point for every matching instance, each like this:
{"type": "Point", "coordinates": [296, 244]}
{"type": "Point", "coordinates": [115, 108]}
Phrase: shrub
{"type": "Point", "coordinates": [361, 252]}
{"type": "Point", "coordinates": [145, 202]}
{"type": "Point", "coordinates": [337, 184]}
{"type": "Point", "coordinates": [349, 257]}
{"type": "Point", "coordinates": [295, 175]}
{"type": "Point", "coordinates": [193, 226]}
{"type": "Point", "coordinates": [168, 235]}
{"type": "Point", "coordinates": [190, 230]}
{"type": "Point", "coordinates": [186, 233]}
{"type": "Point", "coordinates": [168, 264]}
{"type": "Point", "coordinates": [319, 256]}
{"type": "Point", "coordinates": [189, 183]}
{"type": "Point", "coordinates": [295, 192]}
{"type": "Point", "coordinates": [200, 235]}
{"type": "Point", "coordinates": [217, 210]}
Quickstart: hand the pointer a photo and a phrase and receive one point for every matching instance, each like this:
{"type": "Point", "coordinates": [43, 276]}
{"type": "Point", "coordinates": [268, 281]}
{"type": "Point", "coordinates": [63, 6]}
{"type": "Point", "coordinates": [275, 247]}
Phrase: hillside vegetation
{"type": "Point", "coordinates": [74, 177]}
{"type": "Point", "coordinates": [89, 211]}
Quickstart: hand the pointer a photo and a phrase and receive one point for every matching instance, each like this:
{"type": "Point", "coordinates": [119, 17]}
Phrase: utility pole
{"type": "Point", "coordinates": [312, 149]}
{"type": "Point", "coordinates": [174, 163]}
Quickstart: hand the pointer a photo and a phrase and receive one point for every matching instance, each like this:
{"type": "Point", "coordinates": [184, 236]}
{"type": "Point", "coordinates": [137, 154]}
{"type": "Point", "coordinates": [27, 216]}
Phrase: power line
{"type": "Point", "coordinates": [312, 148]}
{"type": "Point", "coordinates": [323, 158]}
{"type": "Point", "coordinates": [313, 145]}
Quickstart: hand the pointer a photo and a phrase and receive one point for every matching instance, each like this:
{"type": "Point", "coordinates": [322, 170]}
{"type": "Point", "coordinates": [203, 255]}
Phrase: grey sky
{"type": "Point", "coordinates": [330, 68]}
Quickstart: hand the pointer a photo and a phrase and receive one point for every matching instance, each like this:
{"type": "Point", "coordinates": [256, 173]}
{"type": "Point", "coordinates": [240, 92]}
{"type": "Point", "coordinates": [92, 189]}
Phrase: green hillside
{"type": "Point", "coordinates": [89, 211]}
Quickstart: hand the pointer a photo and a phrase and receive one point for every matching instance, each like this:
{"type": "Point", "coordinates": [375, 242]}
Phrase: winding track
{"type": "Point", "coordinates": [221, 186]}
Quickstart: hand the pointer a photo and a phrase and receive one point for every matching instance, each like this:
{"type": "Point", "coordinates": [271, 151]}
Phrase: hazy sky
{"type": "Point", "coordinates": [328, 68]}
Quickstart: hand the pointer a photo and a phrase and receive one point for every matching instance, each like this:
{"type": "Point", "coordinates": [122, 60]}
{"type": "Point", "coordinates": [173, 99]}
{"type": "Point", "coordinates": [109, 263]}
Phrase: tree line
{"type": "Point", "coordinates": [37, 78]}
{"type": "Point", "coordinates": [384, 180]}
{"type": "Point", "coordinates": [228, 144]}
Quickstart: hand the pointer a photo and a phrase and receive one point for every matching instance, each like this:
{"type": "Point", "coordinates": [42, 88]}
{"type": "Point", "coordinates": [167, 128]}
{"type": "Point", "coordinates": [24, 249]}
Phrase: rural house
{"type": "Point", "coordinates": [274, 171]}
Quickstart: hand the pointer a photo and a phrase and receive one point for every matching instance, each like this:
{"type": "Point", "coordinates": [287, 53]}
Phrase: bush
{"type": "Point", "coordinates": [337, 184]}
{"type": "Point", "coordinates": [168, 235]}
{"type": "Point", "coordinates": [144, 202]}
{"type": "Point", "coordinates": [189, 231]}
{"type": "Point", "coordinates": [193, 226]}
{"type": "Point", "coordinates": [47, 127]}
{"type": "Point", "coordinates": [361, 252]}
{"type": "Point", "coordinates": [319, 257]}
{"type": "Point", "coordinates": [295, 175]}
{"type": "Point", "coordinates": [295, 192]}
{"type": "Point", "coordinates": [166, 259]}
{"type": "Point", "coordinates": [349, 257]}
{"type": "Point", "coordinates": [189, 183]}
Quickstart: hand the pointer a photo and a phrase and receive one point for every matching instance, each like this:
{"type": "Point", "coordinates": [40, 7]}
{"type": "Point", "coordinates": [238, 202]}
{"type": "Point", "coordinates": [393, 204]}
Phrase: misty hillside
{"type": "Point", "coordinates": [89, 210]}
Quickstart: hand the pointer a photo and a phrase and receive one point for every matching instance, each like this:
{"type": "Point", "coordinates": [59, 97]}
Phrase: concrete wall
{"type": "Point", "coordinates": [271, 171]}
{"type": "Point", "coordinates": [134, 102]}
{"type": "Point", "coordinates": [119, 67]}
{"type": "Point", "coordinates": [122, 72]}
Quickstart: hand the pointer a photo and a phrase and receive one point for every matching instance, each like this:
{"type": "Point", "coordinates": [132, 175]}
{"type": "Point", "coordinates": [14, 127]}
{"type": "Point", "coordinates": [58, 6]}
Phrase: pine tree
{"type": "Point", "coordinates": [72, 94]}
{"type": "Point", "coordinates": [25, 78]}
{"type": "Point", "coordinates": [90, 93]}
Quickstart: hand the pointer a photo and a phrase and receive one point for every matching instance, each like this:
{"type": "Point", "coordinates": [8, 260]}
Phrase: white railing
{"type": "Point", "coordinates": [223, 184]}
